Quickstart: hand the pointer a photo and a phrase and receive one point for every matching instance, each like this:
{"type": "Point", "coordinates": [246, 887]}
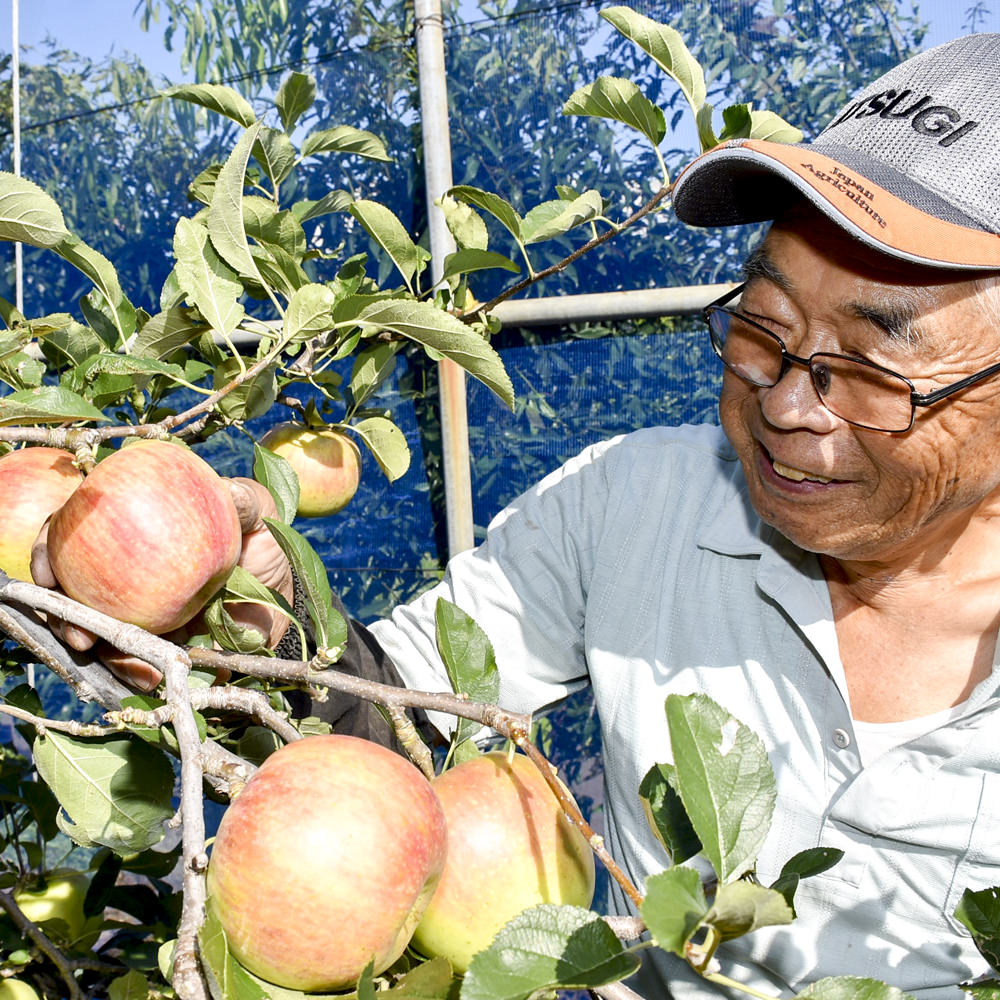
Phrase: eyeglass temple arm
{"type": "Point", "coordinates": [927, 398]}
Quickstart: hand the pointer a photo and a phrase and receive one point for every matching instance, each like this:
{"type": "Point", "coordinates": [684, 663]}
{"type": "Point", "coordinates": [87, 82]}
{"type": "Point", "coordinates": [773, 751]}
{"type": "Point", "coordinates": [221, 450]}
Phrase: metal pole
{"type": "Point", "coordinates": [15, 85]}
{"type": "Point", "coordinates": [437, 180]}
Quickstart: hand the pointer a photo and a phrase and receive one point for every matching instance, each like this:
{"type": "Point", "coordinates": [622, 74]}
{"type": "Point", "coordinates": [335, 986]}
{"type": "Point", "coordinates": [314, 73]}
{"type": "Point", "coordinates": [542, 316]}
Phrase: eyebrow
{"type": "Point", "coordinates": [897, 318]}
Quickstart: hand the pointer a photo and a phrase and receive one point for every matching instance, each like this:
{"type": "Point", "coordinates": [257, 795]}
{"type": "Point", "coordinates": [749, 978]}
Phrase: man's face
{"type": "Point", "coordinates": [841, 490]}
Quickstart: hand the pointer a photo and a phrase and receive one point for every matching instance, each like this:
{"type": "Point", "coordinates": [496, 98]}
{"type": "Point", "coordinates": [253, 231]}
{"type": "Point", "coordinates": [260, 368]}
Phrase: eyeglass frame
{"type": "Point", "coordinates": [788, 359]}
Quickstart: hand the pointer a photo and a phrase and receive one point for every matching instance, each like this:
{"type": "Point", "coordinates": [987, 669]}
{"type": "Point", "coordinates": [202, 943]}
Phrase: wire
{"type": "Point", "coordinates": [322, 57]}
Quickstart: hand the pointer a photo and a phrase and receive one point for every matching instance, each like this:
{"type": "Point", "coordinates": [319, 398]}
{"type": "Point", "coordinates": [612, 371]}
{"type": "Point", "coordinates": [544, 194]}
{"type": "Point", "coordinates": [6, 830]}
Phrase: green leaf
{"type": "Point", "coordinates": [28, 214]}
{"type": "Point", "coordinates": [227, 979]}
{"type": "Point", "coordinates": [163, 333]}
{"type": "Point", "coordinates": [225, 214]}
{"type": "Point", "coordinates": [215, 97]}
{"type": "Point", "coordinates": [736, 122]}
{"type": "Point", "coordinates": [332, 201]}
{"type": "Point", "coordinates": [387, 443]}
{"type": "Point", "coordinates": [105, 278]}
{"type": "Point", "coordinates": [389, 233]}
{"type": "Point", "coordinates": [724, 779]}
{"type": "Point", "coordinates": [467, 261]}
{"type": "Point", "coordinates": [131, 986]}
{"type": "Point", "coordinates": [330, 627]}
{"type": "Point", "coordinates": [979, 911]}
{"type": "Point", "coordinates": [140, 370]}
{"type": "Point", "coordinates": [252, 398]}
{"type": "Point", "coordinates": [309, 312]}
{"type": "Point", "coordinates": [442, 332]}
{"type": "Point", "coordinates": [812, 861]}
{"type": "Point", "coordinates": [345, 139]}
{"type": "Point", "coordinates": [372, 366]}
{"type": "Point", "coordinates": [851, 988]}
{"type": "Point", "coordinates": [431, 980]}
{"type": "Point", "coordinates": [774, 128]}
{"type": "Point", "coordinates": [201, 188]}
{"type": "Point", "coordinates": [464, 223]}
{"type": "Point", "coordinates": [245, 587]}
{"type": "Point", "coordinates": [666, 47]}
{"type": "Point", "coordinates": [674, 907]}
{"type": "Point", "coordinates": [206, 279]}
{"type": "Point", "coordinates": [706, 136]}
{"type": "Point", "coordinates": [115, 791]}
{"type": "Point", "coordinates": [264, 223]}
{"type": "Point", "coordinates": [501, 210]}
{"type": "Point", "coordinates": [277, 475]}
{"type": "Point", "coordinates": [230, 634]}
{"type": "Point", "coordinates": [666, 815]}
{"type": "Point", "coordinates": [562, 216]}
{"type": "Point", "coordinates": [621, 101]}
{"type": "Point", "coordinates": [544, 948]}
{"type": "Point", "coordinates": [49, 404]}
{"type": "Point", "coordinates": [295, 96]}
{"type": "Point", "coordinates": [72, 345]}
{"type": "Point", "coordinates": [274, 151]}
{"type": "Point", "coordinates": [468, 657]}
{"type": "Point", "coordinates": [742, 907]}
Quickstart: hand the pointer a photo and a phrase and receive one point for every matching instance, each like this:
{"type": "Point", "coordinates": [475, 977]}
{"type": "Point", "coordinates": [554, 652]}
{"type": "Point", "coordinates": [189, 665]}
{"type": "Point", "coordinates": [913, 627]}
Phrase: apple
{"type": "Point", "coordinates": [327, 462]}
{"type": "Point", "coordinates": [148, 537]}
{"type": "Point", "coordinates": [16, 989]}
{"type": "Point", "coordinates": [33, 483]}
{"type": "Point", "coordinates": [510, 847]}
{"type": "Point", "coordinates": [325, 861]}
{"type": "Point", "coordinates": [60, 897]}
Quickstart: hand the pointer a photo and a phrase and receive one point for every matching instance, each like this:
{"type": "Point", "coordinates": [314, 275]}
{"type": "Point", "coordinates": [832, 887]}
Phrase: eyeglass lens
{"type": "Point", "coordinates": [857, 392]}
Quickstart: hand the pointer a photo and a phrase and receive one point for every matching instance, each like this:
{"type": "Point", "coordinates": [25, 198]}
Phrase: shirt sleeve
{"type": "Point", "coordinates": [526, 586]}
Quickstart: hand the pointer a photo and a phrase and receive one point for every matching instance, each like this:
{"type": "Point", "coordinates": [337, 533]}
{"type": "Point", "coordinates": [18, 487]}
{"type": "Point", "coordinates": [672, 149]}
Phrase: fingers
{"type": "Point", "coordinates": [41, 568]}
{"type": "Point", "coordinates": [252, 500]}
{"type": "Point", "coordinates": [130, 670]}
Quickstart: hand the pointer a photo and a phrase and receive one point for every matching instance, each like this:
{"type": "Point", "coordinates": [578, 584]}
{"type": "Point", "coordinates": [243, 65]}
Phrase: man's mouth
{"type": "Point", "coordinates": [797, 475]}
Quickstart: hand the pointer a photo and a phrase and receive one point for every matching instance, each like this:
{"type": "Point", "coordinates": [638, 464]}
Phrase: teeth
{"type": "Point", "coordinates": [797, 475]}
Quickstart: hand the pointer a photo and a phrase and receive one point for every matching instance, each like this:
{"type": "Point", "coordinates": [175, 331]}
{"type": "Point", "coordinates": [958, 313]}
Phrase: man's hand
{"type": "Point", "coordinates": [260, 555]}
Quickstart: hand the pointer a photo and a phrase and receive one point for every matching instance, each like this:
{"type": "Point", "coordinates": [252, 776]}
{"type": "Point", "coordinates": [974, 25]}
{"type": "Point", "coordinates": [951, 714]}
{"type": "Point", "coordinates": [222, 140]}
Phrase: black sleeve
{"type": "Point", "coordinates": [364, 658]}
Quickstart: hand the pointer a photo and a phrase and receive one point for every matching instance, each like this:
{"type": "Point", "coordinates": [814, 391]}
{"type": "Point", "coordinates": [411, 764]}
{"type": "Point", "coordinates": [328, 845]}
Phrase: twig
{"type": "Point", "coordinates": [42, 942]}
{"type": "Point", "coordinates": [561, 265]}
{"type": "Point", "coordinates": [91, 680]}
{"type": "Point", "coordinates": [68, 726]}
{"type": "Point", "coordinates": [251, 703]}
{"type": "Point", "coordinates": [416, 749]}
{"type": "Point", "coordinates": [571, 809]}
{"type": "Point", "coordinates": [512, 725]}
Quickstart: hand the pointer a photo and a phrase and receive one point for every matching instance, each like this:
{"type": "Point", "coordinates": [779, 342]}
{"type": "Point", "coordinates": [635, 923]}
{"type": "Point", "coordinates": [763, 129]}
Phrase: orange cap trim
{"type": "Point", "coordinates": [888, 220]}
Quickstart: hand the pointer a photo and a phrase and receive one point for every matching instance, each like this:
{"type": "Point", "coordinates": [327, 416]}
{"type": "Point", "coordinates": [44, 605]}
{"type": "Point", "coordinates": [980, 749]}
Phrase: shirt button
{"type": "Point", "coordinates": [842, 738]}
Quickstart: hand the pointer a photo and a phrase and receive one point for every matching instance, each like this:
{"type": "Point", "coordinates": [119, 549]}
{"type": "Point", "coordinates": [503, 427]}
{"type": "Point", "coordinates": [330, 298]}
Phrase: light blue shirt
{"type": "Point", "coordinates": [639, 567]}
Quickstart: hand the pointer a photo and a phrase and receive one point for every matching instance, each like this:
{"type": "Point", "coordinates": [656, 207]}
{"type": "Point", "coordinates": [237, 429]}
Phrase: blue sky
{"type": "Point", "coordinates": [97, 27]}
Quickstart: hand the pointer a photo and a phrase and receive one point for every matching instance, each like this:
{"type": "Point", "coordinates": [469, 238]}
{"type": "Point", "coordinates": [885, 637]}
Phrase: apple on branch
{"type": "Point", "coordinates": [33, 483]}
{"type": "Point", "coordinates": [326, 461]}
{"type": "Point", "coordinates": [325, 862]}
{"type": "Point", "coordinates": [510, 847]}
{"type": "Point", "coordinates": [148, 537]}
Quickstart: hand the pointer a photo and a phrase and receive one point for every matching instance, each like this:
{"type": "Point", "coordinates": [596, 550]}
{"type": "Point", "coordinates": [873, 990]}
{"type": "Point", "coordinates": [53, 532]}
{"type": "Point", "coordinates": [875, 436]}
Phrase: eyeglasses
{"type": "Point", "coordinates": [858, 391]}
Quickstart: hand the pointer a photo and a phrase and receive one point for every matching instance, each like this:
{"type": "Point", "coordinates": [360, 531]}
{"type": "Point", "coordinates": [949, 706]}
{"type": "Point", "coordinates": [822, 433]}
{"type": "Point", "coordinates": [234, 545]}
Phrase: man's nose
{"type": "Point", "coordinates": [793, 403]}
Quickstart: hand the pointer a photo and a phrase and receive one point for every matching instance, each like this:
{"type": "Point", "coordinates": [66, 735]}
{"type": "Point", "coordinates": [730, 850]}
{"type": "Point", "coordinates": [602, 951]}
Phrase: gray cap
{"type": "Point", "coordinates": [910, 167]}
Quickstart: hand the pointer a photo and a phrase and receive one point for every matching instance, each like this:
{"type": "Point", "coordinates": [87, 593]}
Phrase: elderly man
{"type": "Point", "coordinates": [826, 565]}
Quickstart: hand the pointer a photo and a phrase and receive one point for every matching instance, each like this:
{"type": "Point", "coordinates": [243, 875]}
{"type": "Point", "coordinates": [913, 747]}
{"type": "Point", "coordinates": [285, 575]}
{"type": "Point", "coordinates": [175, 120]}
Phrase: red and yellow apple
{"type": "Point", "coordinates": [325, 862]}
{"type": "Point", "coordinates": [327, 463]}
{"type": "Point", "coordinates": [33, 483]}
{"type": "Point", "coordinates": [510, 847]}
{"type": "Point", "coordinates": [148, 537]}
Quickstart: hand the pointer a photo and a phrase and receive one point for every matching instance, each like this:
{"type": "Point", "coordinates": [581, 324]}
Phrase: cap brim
{"type": "Point", "coordinates": [749, 180]}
